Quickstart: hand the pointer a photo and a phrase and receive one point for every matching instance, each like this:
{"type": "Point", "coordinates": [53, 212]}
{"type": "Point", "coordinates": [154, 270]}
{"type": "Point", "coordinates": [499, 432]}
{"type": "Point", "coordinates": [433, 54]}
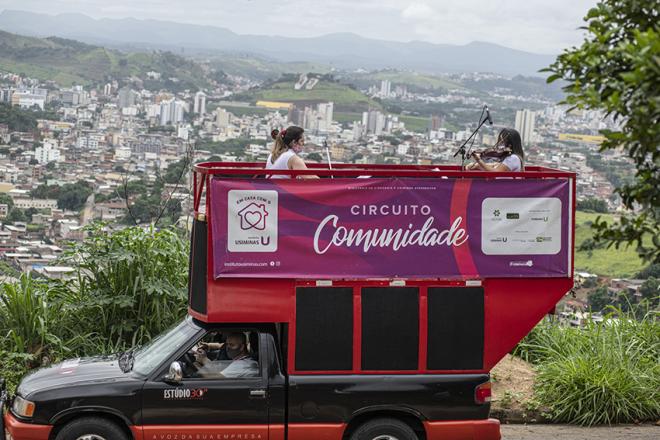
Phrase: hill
{"type": "Point", "coordinates": [261, 68]}
{"type": "Point", "coordinates": [614, 263]}
{"type": "Point", "coordinates": [342, 50]}
{"type": "Point", "coordinates": [71, 62]}
{"type": "Point", "coordinates": [345, 98]}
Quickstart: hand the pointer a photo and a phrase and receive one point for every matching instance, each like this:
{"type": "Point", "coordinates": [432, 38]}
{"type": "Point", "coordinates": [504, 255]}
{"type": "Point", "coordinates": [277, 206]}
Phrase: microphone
{"type": "Point", "coordinates": [488, 118]}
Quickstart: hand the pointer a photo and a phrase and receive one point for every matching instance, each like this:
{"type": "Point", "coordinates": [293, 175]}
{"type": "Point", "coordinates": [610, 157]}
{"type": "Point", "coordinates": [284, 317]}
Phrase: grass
{"type": "Point", "coordinates": [621, 263]}
{"type": "Point", "coordinates": [416, 79]}
{"type": "Point", "coordinates": [344, 98]}
{"type": "Point", "coordinates": [601, 374]}
{"type": "Point", "coordinates": [415, 123]}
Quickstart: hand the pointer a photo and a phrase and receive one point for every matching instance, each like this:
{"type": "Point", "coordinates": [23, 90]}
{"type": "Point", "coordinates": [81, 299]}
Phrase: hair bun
{"type": "Point", "coordinates": [274, 133]}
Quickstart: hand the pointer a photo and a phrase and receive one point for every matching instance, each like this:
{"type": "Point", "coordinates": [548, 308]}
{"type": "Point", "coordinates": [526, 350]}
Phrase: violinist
{"type": "Point", "coordinates": [507, 155]}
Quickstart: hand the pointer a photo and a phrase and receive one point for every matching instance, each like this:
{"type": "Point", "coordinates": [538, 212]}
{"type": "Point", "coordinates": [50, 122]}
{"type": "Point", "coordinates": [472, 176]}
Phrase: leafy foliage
{"type": "Point", "coordinates": [130, 285]}
{"type": "Point", "coordinates": [603, 373]}
{"type": "Point", "coordinates": [22, 120]}
{"type": "Point", "coordinates": [617, 69]}
{"type": "Point", "coordinates": [592, 204]}
{"type": "Point", "coordinates": [71, 196]}
{"type": "Point", "coordinates": [130, 282]}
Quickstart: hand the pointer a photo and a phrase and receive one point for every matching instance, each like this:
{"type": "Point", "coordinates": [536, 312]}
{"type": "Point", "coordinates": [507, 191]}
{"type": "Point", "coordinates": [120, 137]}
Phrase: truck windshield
{"type": "Point", "coordinates": [153, 354]}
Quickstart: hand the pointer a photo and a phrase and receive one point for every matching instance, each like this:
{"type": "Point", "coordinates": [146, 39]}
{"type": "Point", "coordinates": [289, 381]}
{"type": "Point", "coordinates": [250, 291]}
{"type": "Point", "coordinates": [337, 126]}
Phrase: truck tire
{"type": "Point", "coordinates": [384, 429]}
{"type": "Point", "coordinates": [91, 428]}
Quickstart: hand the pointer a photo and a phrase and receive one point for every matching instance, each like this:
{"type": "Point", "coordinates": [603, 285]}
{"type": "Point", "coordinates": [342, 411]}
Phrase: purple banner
{"type": "Point", "coordinates": [391, 228]}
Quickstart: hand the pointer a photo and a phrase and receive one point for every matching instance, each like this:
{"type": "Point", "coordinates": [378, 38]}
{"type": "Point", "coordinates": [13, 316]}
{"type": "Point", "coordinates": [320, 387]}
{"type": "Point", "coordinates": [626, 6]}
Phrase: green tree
{"type": "Point", "coordinates": [592, 204]}
{"type": "Point", "coordinates": [176, 171]}
{"type": "Point", "coordinates": [6, 199]}
{"type": "Point", "coordinates": [16, 215]}
{"type": "Point", "coordinates": [74, 195]}
{"type": "Point", "coordinates": [315, 157]}
{"type": "Point", "coordinates": [616, 70]}
{"type": "Point", "coordinates": [599, 299]}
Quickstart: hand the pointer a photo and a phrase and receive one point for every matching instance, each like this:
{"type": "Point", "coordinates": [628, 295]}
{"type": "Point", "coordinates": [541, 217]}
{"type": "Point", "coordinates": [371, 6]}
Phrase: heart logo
{"type": "Point", "coordinates": [253, 219]}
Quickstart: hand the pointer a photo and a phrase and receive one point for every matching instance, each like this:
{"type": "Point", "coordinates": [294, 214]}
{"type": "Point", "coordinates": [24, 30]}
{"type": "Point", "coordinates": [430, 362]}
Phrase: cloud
{"type": "Point", "coordinates": [532, 25]}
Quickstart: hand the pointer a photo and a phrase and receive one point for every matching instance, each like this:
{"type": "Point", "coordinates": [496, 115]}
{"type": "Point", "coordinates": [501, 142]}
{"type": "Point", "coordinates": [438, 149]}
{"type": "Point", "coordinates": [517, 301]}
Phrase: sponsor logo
{"type": "Point", "coordinates": [540, 219]}
{"type": "Point", "coordinates": [499, 240]}
{"type": "Point", "coordinates": [252, 221]}
{"type": "Point", "coordinates": [185, 394]}
{"type": "Point", "coordinates": [528, 263]}
{"type": "Point", "coordinates": [512, 216]}
{"type": "Point", "coordinates": [496, 213]}
{"type": "Point", "coordinates": [543, 239]}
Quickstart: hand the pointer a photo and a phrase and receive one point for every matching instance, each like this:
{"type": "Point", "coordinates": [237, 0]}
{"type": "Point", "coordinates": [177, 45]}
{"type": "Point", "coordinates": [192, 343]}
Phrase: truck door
{"type": "Point", "coordinates": [208, 404]}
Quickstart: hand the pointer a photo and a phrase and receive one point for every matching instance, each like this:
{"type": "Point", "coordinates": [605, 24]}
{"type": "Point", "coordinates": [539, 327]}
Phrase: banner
{"type": "Point", "coordinates": [391, 228]}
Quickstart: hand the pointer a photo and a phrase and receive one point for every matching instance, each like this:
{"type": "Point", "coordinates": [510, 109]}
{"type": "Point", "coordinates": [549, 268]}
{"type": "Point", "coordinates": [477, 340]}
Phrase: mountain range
{"type": "Point", "coordinates": [342, 50]}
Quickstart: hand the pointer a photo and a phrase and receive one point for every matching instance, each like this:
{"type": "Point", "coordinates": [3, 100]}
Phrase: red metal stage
{"type": "Point", "coordinates": [512, 305]}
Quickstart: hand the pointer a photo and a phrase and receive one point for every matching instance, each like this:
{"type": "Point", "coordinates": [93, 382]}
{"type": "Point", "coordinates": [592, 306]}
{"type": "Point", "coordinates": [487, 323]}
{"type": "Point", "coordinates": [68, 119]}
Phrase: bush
{"type": "Point", "coordinates": [603, 373]}
{"type": "Point", "coordinates": [131, 285]}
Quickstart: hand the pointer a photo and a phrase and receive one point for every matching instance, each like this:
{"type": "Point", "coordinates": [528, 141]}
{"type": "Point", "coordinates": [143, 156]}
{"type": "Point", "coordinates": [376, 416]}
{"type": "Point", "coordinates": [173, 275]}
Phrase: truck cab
{"type": "Point", "coordinates": [348, 308]}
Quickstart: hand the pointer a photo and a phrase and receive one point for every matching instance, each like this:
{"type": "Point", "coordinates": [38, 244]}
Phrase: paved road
{"type": "Point", "coordinates": [563, 432]}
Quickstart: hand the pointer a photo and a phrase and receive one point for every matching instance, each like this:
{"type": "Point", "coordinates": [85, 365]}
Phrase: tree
{"type": "Point", "coordinates": [652, 270]}
{"type": "Point", "coordinates": [592, 204]}
{"type": "Point", "coordinates": [6, 199]}
{"type": "Point", "coordinates": [16, 215]}
{"type": "Point", "coordinates": [74, 195]}
{"type": "Point", "coordinates": [176, 171]}
{"type": "Point", "coordinates": [599, 299]}
{"type": "Point", "coordinates": [616, 70]}
{"type": "Point", "coordinates": [316, 157]}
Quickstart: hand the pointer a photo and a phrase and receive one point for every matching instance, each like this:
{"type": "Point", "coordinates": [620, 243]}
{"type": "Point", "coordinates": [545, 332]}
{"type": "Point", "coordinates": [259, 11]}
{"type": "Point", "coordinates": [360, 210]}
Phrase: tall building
{"type": "Point", "coordinates": [221, 118]}
{"type": "Point", "coordinates": [374, 121]}
{"type": "Point", "coordinates": [525, 125]}
{"type": "Point", "coordinates": [385, 88]}
{"type": "Point", "coordinates": [48, 152]}
{"type": "Point", "coordinates": [435, 123]}
{"type": "Point", "coordinates": [199, 106]}
{"type": "Point", "coordinates": [171, 111]}
{"type": "Point", "coordinates": [325, 111]}
{"type": "Point", "coordinates": [126, 97]}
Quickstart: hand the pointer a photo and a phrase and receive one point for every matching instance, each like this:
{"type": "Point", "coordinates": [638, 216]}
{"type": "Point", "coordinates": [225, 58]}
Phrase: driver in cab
{"type": "Point", "coordinates": [241, 365]}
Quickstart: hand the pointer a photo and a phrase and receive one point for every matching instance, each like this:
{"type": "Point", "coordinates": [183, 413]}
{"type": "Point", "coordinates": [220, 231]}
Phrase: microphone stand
{"type": "Point", "coordinates": [461, 150]}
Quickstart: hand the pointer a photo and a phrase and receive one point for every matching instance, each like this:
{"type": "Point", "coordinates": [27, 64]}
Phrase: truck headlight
{"type": "Point", "coordinates": [22, 407]}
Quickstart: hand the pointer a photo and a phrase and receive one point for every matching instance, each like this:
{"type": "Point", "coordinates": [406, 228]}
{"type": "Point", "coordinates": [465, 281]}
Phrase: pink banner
{"type": "Point", "coordinates": [391, 228]}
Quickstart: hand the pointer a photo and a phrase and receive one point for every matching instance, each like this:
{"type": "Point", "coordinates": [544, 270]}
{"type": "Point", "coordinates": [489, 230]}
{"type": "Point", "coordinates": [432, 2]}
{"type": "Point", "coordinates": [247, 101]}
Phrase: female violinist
{"type": "Point", "coordinates": [507, 156]}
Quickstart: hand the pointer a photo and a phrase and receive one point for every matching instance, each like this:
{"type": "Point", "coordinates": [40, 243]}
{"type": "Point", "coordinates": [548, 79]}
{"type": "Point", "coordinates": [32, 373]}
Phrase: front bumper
{"type": "Point", "coordinates": [24, 431]}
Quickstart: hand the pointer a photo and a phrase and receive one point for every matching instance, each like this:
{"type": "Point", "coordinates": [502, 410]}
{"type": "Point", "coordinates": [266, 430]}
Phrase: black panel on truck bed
{"type": "Point", "coordinates": [324, 328]}
{"type": "Point", "coordinates": [456, 328]}
{"type": "Point", "coordinates": [390, 328]}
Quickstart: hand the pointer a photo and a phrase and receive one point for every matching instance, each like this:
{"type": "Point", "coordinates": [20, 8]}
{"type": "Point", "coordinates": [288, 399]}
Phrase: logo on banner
{"type": "Point", "coordinates": [252, 221]}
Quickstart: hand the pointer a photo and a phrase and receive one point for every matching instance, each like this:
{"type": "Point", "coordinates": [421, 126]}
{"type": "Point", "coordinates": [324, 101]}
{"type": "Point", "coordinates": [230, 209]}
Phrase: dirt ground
{"type": "Point", "coordinates": [564, 432]}
{"type": "Point", "coordinates": [513, 383]}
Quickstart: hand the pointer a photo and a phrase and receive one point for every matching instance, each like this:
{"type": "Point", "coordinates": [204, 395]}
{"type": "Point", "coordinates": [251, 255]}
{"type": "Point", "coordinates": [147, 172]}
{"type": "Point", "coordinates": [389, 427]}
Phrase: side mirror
{"type": "Point", "coordinates": [176, 373]}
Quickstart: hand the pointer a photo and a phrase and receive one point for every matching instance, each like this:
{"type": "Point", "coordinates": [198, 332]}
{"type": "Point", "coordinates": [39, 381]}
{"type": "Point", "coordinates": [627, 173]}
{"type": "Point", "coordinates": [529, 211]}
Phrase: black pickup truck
{"type": "Point", "coordinates": [194, 382]}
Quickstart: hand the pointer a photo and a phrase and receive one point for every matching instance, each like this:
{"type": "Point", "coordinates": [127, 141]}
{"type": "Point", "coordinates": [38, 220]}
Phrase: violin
{"type": "Point", "coordinates": [497, 153]}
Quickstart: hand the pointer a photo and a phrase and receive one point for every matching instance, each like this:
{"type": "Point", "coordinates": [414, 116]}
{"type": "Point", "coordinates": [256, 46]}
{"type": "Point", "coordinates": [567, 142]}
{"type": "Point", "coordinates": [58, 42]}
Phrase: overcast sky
{"type": "Point", "coordinates": [541, 26]}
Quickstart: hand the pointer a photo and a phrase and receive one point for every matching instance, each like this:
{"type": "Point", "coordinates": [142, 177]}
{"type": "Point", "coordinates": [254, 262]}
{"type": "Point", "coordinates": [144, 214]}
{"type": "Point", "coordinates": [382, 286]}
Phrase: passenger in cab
{"type": "Point", "coordinates": [284, 156]}
{"type": "Point", "coordinates": [507, 155]}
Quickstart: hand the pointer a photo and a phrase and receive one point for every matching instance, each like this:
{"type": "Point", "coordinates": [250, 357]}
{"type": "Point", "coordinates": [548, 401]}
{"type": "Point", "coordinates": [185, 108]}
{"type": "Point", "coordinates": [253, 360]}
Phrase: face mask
{"type": "Point", "coordinates": [233, 352]}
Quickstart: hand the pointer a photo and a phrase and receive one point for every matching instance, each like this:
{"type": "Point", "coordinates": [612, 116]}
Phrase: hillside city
{"type": "Point", "coordinates": [119, 153]}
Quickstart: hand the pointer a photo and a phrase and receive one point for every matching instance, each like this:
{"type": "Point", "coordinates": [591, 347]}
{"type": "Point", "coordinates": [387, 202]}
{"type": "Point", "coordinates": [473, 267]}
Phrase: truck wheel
{"type": "Point", "coordinates": [384, 429]}
{"type": "Point", "coordinates": [91, 428]}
